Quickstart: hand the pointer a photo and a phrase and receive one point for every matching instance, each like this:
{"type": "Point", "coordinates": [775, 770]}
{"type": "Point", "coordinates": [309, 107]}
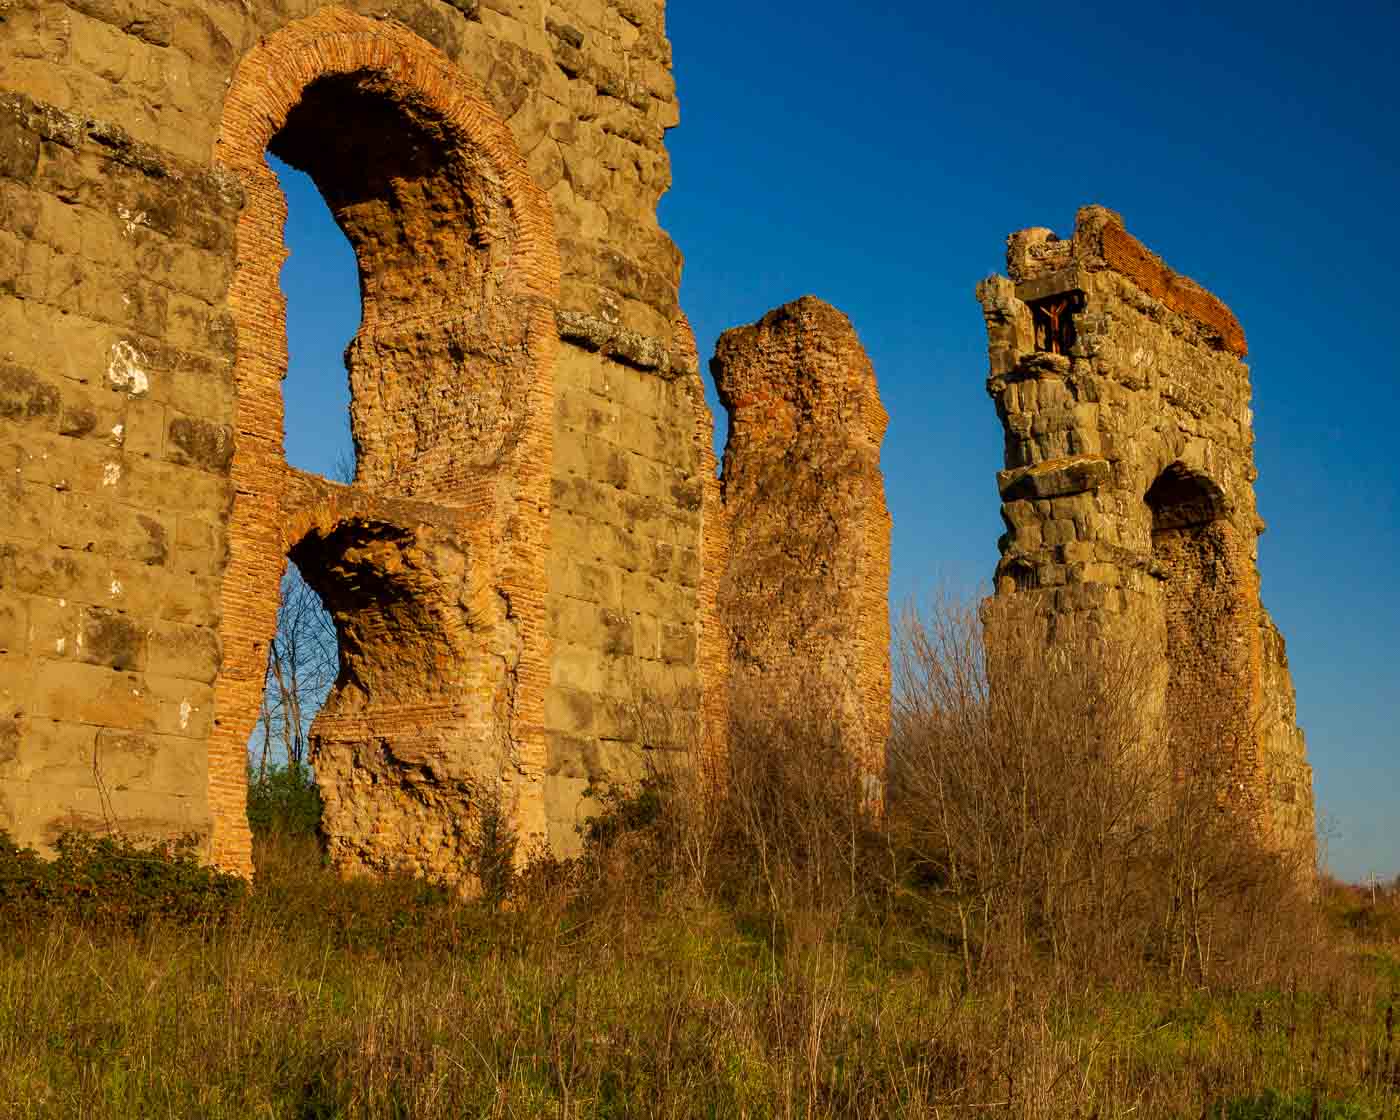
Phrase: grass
{"type": "Point", "coordinates": [320, 998]}
{"type": "Point", "coordinates": [1051, 918]}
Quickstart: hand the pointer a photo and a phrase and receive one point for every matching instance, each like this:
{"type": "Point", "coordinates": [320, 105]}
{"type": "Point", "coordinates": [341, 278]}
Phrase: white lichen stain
{"type": "Point", "coordinates": [116, 588]}
{"type": "Point", "coordinates": [185, 710]}
{"type": "Point", "coordinates": [124, 369]}
{"type": "Point", "coordinates": [119, 434]}
{"type": "Point", "coordinates": [111, 474]}
{"type": "Point", "coordinates": [132, 221]}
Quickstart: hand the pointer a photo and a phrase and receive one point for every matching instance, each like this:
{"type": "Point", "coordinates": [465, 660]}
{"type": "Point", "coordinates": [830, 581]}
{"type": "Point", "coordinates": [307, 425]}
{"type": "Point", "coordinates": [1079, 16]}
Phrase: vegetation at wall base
{"type": "Point", "coordinates": [283, 798]}
{"type": "Point", "coordinates": [742, 939]}
{"type": "Point", "coordinates": [609, 998]}
{"type": "Point", "coordinates": [108, 883]}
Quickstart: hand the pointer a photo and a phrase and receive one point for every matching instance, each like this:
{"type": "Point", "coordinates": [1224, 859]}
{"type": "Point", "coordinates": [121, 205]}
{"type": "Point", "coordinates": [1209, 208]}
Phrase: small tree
{"type": "Point", "coordinates": [303, 660]}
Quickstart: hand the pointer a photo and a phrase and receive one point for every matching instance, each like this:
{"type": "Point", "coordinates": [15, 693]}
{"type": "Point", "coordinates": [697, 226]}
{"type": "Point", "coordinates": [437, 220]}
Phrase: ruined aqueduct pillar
{"type": "Point", "coordinates": [1128, 492]}
{"type": "Point", "coordinates": [803, 598]}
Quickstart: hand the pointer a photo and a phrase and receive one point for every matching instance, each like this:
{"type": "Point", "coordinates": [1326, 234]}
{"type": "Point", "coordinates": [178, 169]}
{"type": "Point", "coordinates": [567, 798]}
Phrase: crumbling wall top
{"type": "Point", "coordinates": [1037, 259]}
{"type": "Point", "coordinates": [799, 362]}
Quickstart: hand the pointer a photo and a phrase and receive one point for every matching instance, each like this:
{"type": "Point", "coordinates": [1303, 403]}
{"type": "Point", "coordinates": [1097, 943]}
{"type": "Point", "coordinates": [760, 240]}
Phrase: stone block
{"type": "Point", "coordinates": [566, 756]}
{"type": "Point", "coordinates": [111, 639]}
{"type": "Point", "coordinates": [1054, 478]}
{"type": "Point", "coordinates": [202, 444]}
{"type": "Point", "coordinates": [29, 507]}
{"type": "Point", "coordinates": [92, 694]}
{"type": "Point", "coordinates": [568, 710]}
{"type": "Point", "coordinates": [87, 523]}
{"type": "Point", "coordinates": [19, 145]}
{"type": "Point", "coordinates": [678, 644]}
{"type": "Point", "coordinates": [183, 651]}
{"type": "Point", "coordinates": [575, 666]}
{"type": "Point", "coordinates": [14, 626]}
{"type": "Point", "coordinates": [28, 399]}
{"type": "Point", "coordinates": [580, 579]}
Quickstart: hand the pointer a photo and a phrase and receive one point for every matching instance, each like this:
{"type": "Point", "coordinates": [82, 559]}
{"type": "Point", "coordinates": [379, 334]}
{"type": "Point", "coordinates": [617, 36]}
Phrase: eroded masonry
{"type": "Point", "coordinates": [535, 554]}
{"type": "Point", "coordinates": [538, 575]}
{"type": "Point", "coordinates": [1128, 493]}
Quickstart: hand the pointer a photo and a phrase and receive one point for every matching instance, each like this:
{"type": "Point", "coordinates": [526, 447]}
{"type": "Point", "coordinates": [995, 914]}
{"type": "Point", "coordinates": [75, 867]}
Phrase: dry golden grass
{"type": "Point", "coordinates": [770, 950]}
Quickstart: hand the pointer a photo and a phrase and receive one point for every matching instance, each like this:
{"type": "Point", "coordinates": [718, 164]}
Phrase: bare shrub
{"type": "Point", "coordinates": [792, 810]}
{"type": "Point", "coordinates": [778, 820]}
{"type": "Point", "coordinates": [1037, 784]}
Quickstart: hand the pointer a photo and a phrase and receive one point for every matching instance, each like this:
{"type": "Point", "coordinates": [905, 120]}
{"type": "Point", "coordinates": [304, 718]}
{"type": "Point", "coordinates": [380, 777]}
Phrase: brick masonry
{"type": "Point", "coordinates": [1128, 490]}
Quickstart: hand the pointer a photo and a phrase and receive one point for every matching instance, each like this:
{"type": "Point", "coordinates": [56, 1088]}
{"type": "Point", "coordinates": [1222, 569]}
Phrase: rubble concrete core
{"type": "Point", "coordinates": [804, 599]}
{"type": "Point", "coordinates": [1128, 494]}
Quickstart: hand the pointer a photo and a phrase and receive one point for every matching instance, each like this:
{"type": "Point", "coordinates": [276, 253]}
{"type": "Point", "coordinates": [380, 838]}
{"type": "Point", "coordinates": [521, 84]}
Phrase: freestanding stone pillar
{"type": "Point", "coordinates": [804, 596]}
{"type": "Point", "coordinates": [1128, 489]}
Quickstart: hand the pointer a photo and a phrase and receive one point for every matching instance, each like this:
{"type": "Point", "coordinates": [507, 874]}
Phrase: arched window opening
{"type": "Point", "coordinates": [434, 382]}
{"type": "Point", "coordinates": [302, 665]}
{"type": "Point", "coordinates": [320, 283]}
{"type": "Point", "coordinates": [1181, 499]}
{"type": "Point", "coordinates": [321, 287]}
{"type": "Point", "coordinates": [439, 367]}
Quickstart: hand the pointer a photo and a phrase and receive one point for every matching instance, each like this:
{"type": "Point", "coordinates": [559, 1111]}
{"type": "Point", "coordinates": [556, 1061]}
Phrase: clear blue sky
{"type": "Point", "coordinates": [878, 160]}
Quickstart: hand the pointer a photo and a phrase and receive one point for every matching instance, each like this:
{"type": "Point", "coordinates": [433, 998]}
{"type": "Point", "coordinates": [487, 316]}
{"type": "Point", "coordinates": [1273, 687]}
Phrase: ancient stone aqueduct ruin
{"type": "Point", "coordinates": [536, 549]}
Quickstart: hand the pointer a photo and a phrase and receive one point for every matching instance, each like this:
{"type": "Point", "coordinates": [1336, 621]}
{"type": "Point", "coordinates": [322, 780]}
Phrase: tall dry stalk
{"type": "Point", "coordinates": [1037, 781]}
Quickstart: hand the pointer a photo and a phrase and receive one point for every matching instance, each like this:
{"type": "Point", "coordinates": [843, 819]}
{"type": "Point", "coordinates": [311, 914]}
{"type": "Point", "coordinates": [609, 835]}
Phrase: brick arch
{"type": "Point", "coordinates": [1208, 600]}
{"type": "Point", "coordinates": [1182, 495]}
{"type": "Point", "coordinates": [498, 497]}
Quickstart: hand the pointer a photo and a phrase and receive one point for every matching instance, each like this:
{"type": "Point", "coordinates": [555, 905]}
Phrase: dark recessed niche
{"type": "Point", "coordinates": [1053, 318]}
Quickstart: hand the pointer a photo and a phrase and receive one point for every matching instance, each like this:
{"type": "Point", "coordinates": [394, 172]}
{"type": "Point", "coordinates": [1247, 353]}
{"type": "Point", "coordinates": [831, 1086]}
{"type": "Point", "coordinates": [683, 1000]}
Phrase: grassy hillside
{"type": "Point", "coordinates": [626, 995]}
{"type": "Point", "coordinates": [1027, 929]}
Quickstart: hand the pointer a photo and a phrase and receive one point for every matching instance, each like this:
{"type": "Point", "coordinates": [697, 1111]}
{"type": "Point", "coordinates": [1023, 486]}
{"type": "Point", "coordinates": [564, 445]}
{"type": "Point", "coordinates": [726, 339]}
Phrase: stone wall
{"type": "Point", "coordinates": [1128, 490]}
{"type": "Point", "coordinates": [516, 572]}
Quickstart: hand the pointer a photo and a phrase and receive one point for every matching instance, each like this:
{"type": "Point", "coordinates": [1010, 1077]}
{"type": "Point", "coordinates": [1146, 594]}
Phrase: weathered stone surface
{"type": "Point", "coordinates": [147, 508]}
{"type": "Point", "coordinates": [1128, 490]}
{"type": "Point", "coordinates": [803, 594]}
{"type": "Point", "coordinates": [536, 574]}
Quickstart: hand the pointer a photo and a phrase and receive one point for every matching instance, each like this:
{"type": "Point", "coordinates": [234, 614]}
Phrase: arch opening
{"type": "Point", "coordinates": [450, 372]}
{"type": "Point", "coordinates": [418, 715]}
{"type": "Point", "coordinates": [320, 284]}
{"type": "Point", "coordinates": [303, 664]}
{"type": "Point", "coordinates": [438, 367]}
{"type": "Point", "coordinates": [414, 730]}
{"type": "Point", "coordinates": [1196, 556]}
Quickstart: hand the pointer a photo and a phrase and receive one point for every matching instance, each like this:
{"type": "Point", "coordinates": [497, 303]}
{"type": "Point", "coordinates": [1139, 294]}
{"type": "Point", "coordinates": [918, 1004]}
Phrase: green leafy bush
{"type": "Point", "coordinates": [114, 882]}
{"type": "Point", "coordinates": [493, 848]}
{"type": "Point", "coordinates": [625, 809]}
{"type": "Point", "coordinates": [283, 799]}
